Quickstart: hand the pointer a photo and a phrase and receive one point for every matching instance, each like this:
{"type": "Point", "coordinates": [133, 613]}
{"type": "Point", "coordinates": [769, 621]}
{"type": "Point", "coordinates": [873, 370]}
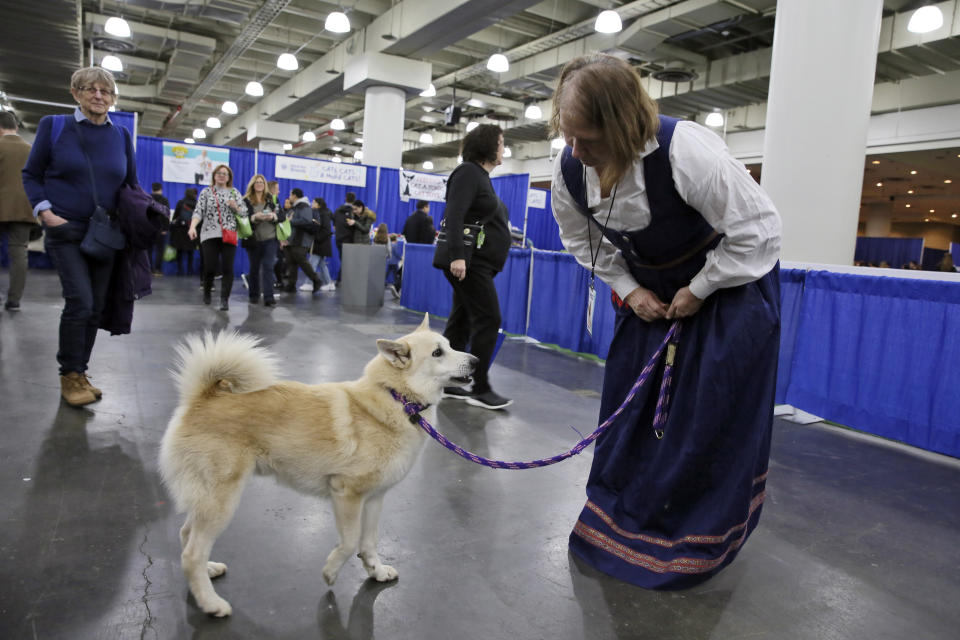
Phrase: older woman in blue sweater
{"type": "Point", "coordinates": [58, 182]}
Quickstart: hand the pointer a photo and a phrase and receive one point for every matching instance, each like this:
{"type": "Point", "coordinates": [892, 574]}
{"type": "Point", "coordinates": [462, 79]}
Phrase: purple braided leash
{"type": "Point", "coordinates": [660, 417]}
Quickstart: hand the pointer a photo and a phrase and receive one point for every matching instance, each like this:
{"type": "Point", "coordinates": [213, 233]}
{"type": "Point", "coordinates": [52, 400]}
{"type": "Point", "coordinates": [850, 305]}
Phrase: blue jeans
{"type": "Point", "coordinates": [319, 264]}
{"type": "Point", "coordinates": [263, 257]}
{"type": "Point", "coordinates": [85, 283]}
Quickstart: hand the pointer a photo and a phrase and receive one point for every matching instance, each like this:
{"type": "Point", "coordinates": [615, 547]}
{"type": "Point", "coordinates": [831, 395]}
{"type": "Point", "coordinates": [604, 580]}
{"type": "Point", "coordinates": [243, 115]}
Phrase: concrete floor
{"type": "Point", "coordinates": [857, 539]}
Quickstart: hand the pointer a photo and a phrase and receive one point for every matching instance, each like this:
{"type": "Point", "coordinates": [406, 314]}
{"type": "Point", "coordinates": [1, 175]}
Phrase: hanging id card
{"type": "Point", "coordinates": [591, 300]}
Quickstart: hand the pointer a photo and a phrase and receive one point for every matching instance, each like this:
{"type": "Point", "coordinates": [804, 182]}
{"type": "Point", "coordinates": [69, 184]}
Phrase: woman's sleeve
{"type": "Point", "coordinates": [583, 242]}
{"type": "Point", "coordinates": [717, 185]}
{"type": "Point", "coordinates": [462, 189]}
{"type": "Point", "coordinates": [36, 167]}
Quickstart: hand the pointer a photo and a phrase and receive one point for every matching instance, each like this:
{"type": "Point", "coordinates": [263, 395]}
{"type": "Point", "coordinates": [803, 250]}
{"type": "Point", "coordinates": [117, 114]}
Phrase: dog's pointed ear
{"type": "Point", "coordinates": [396, 353]}
{"type": "Point", "coordinates": [425, 325]}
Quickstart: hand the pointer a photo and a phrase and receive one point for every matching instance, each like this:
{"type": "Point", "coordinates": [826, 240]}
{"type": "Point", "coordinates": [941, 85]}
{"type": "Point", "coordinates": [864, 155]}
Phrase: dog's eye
{"type": "Point", "coordinates": [437, 352]}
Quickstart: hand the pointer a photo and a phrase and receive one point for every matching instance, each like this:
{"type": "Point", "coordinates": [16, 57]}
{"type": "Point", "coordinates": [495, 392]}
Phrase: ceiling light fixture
{"type": "Point", "coordinates": [558, 143]}
{"type": "Point", "coordinates": [213, 122]}
{"type": "Point", "coordinates": [337, 148]}
{"type": "Point", "coordinates": [428, 165]}
{"type": "Point", "coordinates": [507, 153]}
{"type": "Point", "coordinates": [907, 206]}
{"type": "Point", "coordinates": [337, 22]}
{"type": "Point", "coordinates": [189, 140]}
{"type": "Point", "coordinates": [532, 112]}
{"type": "Point", "coordinates": [426, 138]}
{"type": "Point", "coordinates": [948, 181]}
{"type": "Point", "coordinates": [358, 155]}
{"type": "Point", "coordinates": [913, 172]}
{"type": "Point", "coordinates": [117, 27]}
{"type": "Point", "coordinates": [308, 136]}
{"type": "Point", "coordinates": [498, 63]}
{"type": "Point", "coordinates": [429, 92]}
{"type": "Point", "coordinates": [287, 146]}
{"type": "Point", "coordinates": [925, 20]}
{"type": "Point", "coordinates": [337, 124]}
{"type": "Point", "coordinates": [288, 62]}
{"type": "Point", "coordinates": [254, 89]}
{"type": "Point", "coordinates": [199, 134]}
{"type": "Point", "coordinates": [875, 162]}
{"type": "Point", "coordinates": [879, 184]}
{"type": "Point", "coordinates": [111, 63]}
{"type": "Point", "coordinates": [472, 125]}
{"type": "Point", "coordinates": [337, 159]}
{"type": "Point", "coordinates": [953, 216]}
{"type": "Point", "coordinates": [359, 141]}
{"type": "Point", "coordinates": [714, 119]}
{"type": "Point", "coordinates": [608, 22]}
{"type": "Point", "coordinates": [229, 107]}
{"type": "Point", "coordinates": [910, 191]}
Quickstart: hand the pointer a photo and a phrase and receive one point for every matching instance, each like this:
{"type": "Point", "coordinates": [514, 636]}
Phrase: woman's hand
{"type": "Point", "coordinates": [232, 204]}
{"type": "Point", "coordinates": [49, 219]}
{"type": "Point", "coordinates": [646, 304]}
{"type": "Point", "coordinates": [192, 233]}
{"type": "Point", "coordinates": [459, 269]}
{"type": "Point", "coordinates": [684, 304]}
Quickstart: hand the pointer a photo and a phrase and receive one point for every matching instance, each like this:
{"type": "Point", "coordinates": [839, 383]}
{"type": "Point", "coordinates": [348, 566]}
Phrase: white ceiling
{"type": "Point", "coordinates": [186, 57]}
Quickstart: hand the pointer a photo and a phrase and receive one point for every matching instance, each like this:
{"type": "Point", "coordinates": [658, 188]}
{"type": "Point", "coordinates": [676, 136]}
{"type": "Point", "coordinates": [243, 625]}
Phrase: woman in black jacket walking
{"type": "Point", "coordinates": [179, 239]}
{"type": "Point", "coordinates": [475, 316]}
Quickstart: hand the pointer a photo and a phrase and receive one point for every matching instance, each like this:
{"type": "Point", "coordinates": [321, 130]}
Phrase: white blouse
{"type": "Point", "coordinates": [710, 180]}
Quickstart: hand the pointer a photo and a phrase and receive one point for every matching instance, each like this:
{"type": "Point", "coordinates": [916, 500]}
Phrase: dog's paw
{"type": "Point", "coordinates": [384, 573]}
{"type": "Point", "coordinates": [330, 576]}
{"type": "Point", "coordinates": [216, 569]}
{"type": "Point", "coordinates": [217, 607]}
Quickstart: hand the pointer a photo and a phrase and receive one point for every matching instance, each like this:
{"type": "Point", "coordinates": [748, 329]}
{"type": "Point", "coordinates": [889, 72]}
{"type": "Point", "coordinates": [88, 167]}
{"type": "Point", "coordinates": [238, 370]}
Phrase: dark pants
{"type": "Point", "coordinates": [156, 259]}
{"type": "Point", "coordinates": [18, 236]}
{"type": "Point", "coordinates": [217, 253]}
{"type": "Point", "coordinates": [297, 257]}
{"type": "Point", "coordinates": [84, 282]}
{"type": "Point", "coordinates": [263, 257]}
{"type": "Point", "coordinates": [181, 254]}
{"type": "Point", "coordinates": [475, 319]}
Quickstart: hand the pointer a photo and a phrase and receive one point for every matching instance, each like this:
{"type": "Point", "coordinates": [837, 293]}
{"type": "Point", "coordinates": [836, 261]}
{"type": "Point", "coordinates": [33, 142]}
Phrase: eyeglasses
{"type": "Point", "coordinates": [222, 173]}
{"type": "Point", "coordinates": [92, 91]}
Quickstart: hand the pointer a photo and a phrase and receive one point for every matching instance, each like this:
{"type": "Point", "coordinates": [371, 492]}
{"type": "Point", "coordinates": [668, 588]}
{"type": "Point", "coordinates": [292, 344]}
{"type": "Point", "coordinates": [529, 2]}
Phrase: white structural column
{"type": "Point", "coordinates": [383, 109]}
{"type": "Point", "coordinates": [879, 218]}
{"type": "Point", "coordinates": [821, 87]}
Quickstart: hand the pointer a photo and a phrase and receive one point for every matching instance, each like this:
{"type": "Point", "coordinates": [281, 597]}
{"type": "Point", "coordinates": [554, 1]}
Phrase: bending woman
{"type": "Point", "coordinates": [660, 210]}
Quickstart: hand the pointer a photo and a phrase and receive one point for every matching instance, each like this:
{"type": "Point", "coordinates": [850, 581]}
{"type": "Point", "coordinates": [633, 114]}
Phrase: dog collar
{"type": "Point", "coordinates": [411, 408]}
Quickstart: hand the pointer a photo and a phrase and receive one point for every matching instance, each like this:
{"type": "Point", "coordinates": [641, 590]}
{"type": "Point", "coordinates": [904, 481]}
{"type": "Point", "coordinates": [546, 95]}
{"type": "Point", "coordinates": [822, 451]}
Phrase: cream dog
{"type": "Point", "coordinates": [349, 440]}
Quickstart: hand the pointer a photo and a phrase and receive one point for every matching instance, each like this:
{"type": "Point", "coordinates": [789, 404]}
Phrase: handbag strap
{"type": "Point", "coordinates": [83, 148]}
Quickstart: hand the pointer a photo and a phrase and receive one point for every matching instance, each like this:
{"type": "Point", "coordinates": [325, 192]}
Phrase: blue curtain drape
{"type": "Point", "coordinates": [878, 354]}
{"type": "Point", "coordinates": [150, 170]}
{"type": "Point", "coordinates": [791, 294]}
{"type": "Point", "coordinates": [333, 194]}
{"type": "Point", "coordinates": [542, 228]}
{"type": "Point", "coordinates": [558, 305]}
{"type": "Point", "coordinates": [895, 251]}
{"type": "Point", "coordinates": [512, 190]}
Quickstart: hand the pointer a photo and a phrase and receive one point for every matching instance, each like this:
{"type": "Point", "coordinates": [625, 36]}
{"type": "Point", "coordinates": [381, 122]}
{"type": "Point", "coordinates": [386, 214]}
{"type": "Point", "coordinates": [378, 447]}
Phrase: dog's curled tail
{"type": "Point", "coordinates": [230, 359]}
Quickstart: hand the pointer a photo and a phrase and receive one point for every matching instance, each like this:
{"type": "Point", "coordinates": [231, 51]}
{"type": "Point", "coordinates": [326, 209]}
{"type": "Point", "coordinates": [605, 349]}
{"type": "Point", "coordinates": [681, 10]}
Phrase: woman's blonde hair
{"type": "Point", "coordinates": [213, 176]}
{"type": "Point", "coordinates": [251, 195]}
{"type": "Point", "coordinates": [606, 93]}
{"type": "Point", "coordinates": [93, 75]}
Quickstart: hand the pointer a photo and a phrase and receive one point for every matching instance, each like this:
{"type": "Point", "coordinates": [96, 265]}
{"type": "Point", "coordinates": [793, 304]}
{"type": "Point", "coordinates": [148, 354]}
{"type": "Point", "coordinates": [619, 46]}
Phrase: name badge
{"type": "Point", "coordinates": [591, 300]}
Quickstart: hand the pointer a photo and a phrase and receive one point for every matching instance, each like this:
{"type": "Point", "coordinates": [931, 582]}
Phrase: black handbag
{"type": "Point", "coordinates": [102, 239]}
{"type": "Point", "coordinates": [472, 235]}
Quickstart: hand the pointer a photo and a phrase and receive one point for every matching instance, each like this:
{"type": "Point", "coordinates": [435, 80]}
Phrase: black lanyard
{"type": "Point", "coordinates": [603, 229]}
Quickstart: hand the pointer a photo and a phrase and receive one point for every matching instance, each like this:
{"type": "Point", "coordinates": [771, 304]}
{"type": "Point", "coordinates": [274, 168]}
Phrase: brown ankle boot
{"type": "Point", "coordinates": [97, 392]}
{"type": "Point", "coordinates": [74, 390]}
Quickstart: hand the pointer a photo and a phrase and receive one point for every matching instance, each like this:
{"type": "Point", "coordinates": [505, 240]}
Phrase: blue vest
{"type": "Point", "coordinates": [675, 230]}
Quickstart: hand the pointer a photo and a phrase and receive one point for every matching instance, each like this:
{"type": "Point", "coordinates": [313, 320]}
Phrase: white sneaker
{"type": "Point", "coordinates": [330, 286]}
{"type": "Point", "coordinates": [306, 286]}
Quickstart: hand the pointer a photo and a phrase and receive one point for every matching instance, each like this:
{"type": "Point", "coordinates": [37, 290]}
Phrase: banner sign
{"type": "Point", "coordinates": [422, 186]}
{"type": "Point", "coordinates": [190, 163]}
{"type": "Point", "coordinates": [353, 175]}
{"type": "Point", "coordinates": [536, 199]}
